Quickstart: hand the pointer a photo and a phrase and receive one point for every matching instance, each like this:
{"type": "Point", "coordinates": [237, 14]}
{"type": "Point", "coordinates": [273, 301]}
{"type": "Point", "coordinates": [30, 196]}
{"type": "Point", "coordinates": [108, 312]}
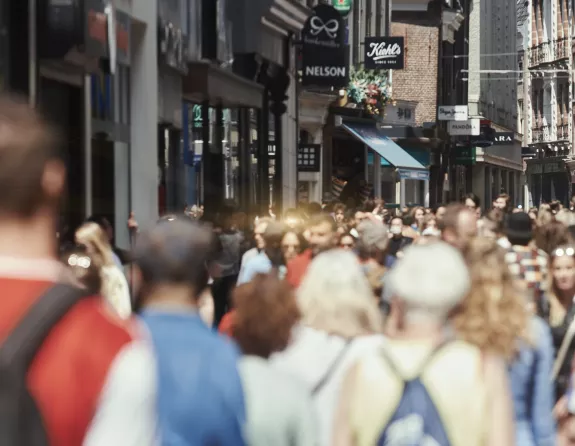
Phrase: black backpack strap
{"type": "Point", "coordinates": [332, 368]}
{"type": "Point", "coordinates": [434, 351]}
{"type": "Point", "coordinates": [23, 342]}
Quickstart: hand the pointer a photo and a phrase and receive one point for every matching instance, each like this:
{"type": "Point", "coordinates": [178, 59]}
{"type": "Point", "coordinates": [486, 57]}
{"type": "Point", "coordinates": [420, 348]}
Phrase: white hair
{"type": "Point", "coordinates": [430, 280]}
{"type": "Point", "coordinates": [335, 296]}
{"type": "Point", "coordinates": [566, 217]}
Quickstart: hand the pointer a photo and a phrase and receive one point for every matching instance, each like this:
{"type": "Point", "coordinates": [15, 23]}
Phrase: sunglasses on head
{"type": "Point", "coordinates": [560, 252]}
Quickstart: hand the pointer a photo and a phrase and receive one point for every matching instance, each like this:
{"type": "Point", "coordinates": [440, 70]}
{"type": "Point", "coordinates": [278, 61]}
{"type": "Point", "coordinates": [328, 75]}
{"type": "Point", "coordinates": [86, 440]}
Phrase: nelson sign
{"type": "Point", "coordinates": [324, 52]}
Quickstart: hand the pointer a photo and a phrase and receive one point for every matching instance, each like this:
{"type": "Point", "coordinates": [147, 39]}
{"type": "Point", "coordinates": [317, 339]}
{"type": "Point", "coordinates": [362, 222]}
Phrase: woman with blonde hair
{"type": "Point", "coordinates": [114, 287]}
{"type": "Point", "coordinates": [495, 317]}
{"type": "Point", "coordinates": [340, 323]}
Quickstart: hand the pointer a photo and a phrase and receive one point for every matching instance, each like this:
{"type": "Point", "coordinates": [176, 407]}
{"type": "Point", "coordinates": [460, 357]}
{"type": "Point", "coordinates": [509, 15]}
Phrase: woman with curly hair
{"type": "Point", "coordinates": [279, 409]}
{"type": "Point", "coordinates": [495, 317]}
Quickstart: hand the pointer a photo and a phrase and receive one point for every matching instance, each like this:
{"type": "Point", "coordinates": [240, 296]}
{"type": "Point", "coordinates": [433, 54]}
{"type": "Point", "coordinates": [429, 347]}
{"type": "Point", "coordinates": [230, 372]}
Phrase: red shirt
{"type": "Point", "coordinates": [298, 267]}
{"type": "Point", "coordinates": [70, 369]}
{"type": "Point", "coordinates": [227, 324]}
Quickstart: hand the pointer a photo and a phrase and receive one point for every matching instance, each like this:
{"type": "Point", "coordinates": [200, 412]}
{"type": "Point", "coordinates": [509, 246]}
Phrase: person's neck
{"type": "Point", "coordinates": [421, 331]}
{"type": "Point", "coordinates": [34, 238]}
{"type": "Point", "coordinates": [167, 297]}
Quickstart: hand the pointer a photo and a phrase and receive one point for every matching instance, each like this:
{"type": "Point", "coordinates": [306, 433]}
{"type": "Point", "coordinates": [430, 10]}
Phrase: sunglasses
{"type": "Point", "coordinates": [560, 252]}
{"type": "Point", "coordinates": [79, 261]}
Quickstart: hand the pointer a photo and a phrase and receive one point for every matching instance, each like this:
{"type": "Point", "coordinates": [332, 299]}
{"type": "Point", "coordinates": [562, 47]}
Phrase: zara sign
{"type": "Point", "coordinates": [384, 53]}
{"type": "Point", "coordinates": [504, 138]}
{"type": "Point", "coordinates": [324, 53]}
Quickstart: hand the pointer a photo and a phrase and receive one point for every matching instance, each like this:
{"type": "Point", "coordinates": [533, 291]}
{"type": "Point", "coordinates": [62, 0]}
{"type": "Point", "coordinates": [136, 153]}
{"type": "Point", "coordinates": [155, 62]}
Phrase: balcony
{"type": "Point", "coordinates": [562, 48]}
{"type": "Point", "coordinates": [541, 133]}
{"type": "Point", "coordinates": [540, 54]}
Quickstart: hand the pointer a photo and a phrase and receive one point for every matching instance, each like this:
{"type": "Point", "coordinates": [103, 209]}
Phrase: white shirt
{"type": "Point", "coordinates": [310, 355]}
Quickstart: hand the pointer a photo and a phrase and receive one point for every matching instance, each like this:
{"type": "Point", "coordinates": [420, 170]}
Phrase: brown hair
{"type": "Point", "coordinates": [551, 235]}
{"type": "Point", "coordinates": [494, 315]}
{"type": "Point", "coordinates": [27, 145]}
{"type": "Point", "coordinates": [83, 267]}
{"type": "Point", "coordinates": [265, 312]}
{"type": "Point", "coordinates": [450, 219]}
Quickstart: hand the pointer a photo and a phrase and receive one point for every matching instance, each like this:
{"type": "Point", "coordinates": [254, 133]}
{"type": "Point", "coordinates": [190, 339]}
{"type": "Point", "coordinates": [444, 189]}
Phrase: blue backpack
{"type": "Point", "coordinates": [416, 421]}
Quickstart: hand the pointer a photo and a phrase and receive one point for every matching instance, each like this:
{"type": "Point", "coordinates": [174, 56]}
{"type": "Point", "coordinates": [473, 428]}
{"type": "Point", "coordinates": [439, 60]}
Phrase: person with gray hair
{"type": "Point", "coordinates": [198, 379]}
{"type": "Point", "coordinates": [429, 387]}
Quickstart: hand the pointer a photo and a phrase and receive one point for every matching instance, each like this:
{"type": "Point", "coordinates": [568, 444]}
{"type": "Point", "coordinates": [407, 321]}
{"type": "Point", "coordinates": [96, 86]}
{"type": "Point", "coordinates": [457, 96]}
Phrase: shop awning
{"type": "Point", "coordinates": [383, 146]}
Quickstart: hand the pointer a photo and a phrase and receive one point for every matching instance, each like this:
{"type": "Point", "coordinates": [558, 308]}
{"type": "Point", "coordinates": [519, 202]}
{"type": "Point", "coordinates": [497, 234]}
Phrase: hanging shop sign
{"type": "Point", "coordinates": [308, 157]}
{"type": "Point", "coordinates": [452, 113]}
{"type": "Point", "coordinates": [324, 53]}
{"type": "Point", "coordinates": [504, 138]}
{"type": "Point", "coordinates": [342, 6]}
{"type": "Point", "coordinates": [464, 128]}
{"type": "Point", "coordinates": [384, 53]}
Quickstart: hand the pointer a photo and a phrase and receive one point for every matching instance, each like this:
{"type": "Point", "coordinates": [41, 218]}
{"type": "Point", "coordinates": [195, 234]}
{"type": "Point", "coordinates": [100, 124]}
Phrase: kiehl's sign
{"type": "Point", "coordinates": [384, 53]}
{"type": "Point", "coordinates": [324, 53]}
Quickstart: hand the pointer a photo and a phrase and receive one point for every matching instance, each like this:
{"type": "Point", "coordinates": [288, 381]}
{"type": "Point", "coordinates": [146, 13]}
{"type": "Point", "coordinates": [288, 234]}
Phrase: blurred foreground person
{"type": "Point", "coordinates": [278, 407]}
{"type": "Point", "coordinates": [91, 378]}
{"type": "Point", "coordinates": [495, 316]}
{"type": "Point", "coordinates": [458, 226]}
{"type": "Point", "coordinates": [200, 397]}
{"type": "Point", "coordinates": [340, 323]}
{"type": "Point", "coordinates": [425, 386]}
{"type": "Point", "coordinates": [114, 286]}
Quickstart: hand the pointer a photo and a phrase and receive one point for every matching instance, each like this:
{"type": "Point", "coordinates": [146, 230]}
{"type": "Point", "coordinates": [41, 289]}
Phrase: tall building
{"type": "Point", "coordinates": [546, 36]}
{"type": "Point", "coordinates": [492, 80]}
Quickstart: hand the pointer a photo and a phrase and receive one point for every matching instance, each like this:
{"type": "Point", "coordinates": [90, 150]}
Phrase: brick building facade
{"type": "Point", "coordinates": [418, 80]}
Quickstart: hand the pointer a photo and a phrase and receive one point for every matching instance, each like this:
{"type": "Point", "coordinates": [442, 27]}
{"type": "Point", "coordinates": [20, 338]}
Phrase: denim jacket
{"type": "Point", "coordinates": [532, 388]}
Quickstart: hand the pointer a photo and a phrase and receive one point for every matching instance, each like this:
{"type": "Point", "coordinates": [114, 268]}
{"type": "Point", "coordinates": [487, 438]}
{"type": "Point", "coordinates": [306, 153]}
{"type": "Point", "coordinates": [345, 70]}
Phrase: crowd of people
{"type": "Point", "coordinates": [325, 326]}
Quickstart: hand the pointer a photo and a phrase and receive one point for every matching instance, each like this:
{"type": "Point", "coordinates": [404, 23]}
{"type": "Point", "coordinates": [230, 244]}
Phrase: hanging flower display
{"type": "Point", "coordinates": [370, 89]}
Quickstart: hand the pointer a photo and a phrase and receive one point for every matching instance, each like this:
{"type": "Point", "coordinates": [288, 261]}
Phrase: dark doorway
{"type": "Point", "coordinates": [62, 105]}
{"type": "Point", "coordinates": [103, 198]}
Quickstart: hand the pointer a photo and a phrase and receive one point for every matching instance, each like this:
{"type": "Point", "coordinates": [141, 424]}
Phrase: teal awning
{"type": "Point", "coordinates": [421, 155]}
{"type": "Point", "coordinates": [383, 146]}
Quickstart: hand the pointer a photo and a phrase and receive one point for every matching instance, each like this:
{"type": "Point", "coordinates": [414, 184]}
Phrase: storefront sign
{"type": "Point", "coordinates": [308, 157]}
{"type": "Point", "coordinates": [421, 175]}
{"type": "Point", "coordinates": [504, 138]}
{"type": "Point", "coordinates": [400, 114]}
{"type": "Point", "coordinates": [342, 6]}
{"type": "Point", "coordinates": [464, 128]}
{"type": "Point", "coordinates": [324, 54]}
{"type": "Point", "coordinates": [384, 53]}
{"type": "Point", "coordinates": [123, 31]}
{"type": "Point", "coordinates": [173, 47]}
{"type": "Point", "coordinates": [465, 156]}
{"type": "Point", "coordinates": [96, 33]}
{"type": "Point", "coordinates": [452, 113]}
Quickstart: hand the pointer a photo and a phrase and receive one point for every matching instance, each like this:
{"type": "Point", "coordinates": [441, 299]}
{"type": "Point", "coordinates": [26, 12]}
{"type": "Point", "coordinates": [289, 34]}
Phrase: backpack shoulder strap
{"type": "Point", "coordinates": [332, 368]}
{"type": "Point", "coordinates": [24, 341]}
{"type": "Point", "coordinates": [434, 351]}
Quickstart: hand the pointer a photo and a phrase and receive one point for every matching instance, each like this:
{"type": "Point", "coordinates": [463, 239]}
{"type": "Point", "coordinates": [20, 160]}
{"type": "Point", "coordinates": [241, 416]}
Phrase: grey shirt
{"type": "Point", "coordinates": [278, 407]}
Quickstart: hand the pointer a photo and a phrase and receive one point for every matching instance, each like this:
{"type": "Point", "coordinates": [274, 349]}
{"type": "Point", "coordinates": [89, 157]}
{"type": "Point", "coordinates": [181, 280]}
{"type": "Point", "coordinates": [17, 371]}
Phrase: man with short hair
{"type": "Point", "coordinates": [93, 377]}
{"type": "Point", "coordinates": [458, 226]}
{"type": "Point", "coordinates": [322, 237]}
{"type": "Point", "coordinates": [200, 398]}
{"type": "Point", "coordinates": [270, 257]}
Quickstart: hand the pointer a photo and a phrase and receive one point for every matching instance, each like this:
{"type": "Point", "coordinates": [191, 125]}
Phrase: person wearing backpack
{"type": "Point", "coordinates": [424, 387]}
{"type": "Point", "coordinates": [72, 372]}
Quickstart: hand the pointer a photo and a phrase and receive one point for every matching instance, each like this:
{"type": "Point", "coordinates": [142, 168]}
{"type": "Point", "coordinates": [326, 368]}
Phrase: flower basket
{"type": "Point", "coordinates": [370, 89]}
